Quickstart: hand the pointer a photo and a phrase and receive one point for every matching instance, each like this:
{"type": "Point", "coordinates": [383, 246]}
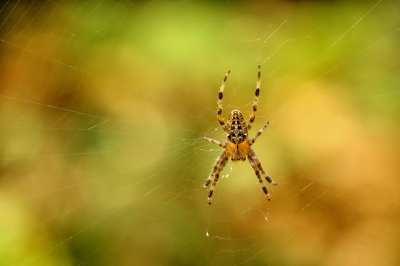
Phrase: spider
{"type": "Point", "coordinates": [237, 145]}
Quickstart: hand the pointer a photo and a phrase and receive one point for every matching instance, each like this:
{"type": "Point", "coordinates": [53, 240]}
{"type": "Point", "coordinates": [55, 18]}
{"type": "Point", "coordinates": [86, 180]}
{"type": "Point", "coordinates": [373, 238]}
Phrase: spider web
{"type": "Point", "coordinates": [103, 106]}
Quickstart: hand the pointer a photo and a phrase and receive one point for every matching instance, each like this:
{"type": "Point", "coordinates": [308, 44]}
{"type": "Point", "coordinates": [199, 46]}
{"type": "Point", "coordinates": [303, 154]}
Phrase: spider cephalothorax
{"type": "Point", "coordinates": [237, 146]}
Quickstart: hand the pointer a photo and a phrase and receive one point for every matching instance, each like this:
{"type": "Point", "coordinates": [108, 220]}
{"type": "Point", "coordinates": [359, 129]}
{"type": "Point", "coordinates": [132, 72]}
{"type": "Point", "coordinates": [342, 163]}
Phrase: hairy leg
{"type": "Point", "coordinates": [253, 155]}
{"type": "Point", "coordinates": [253, 115]}
{"type": "Point", "coordinates": [217, 163]}
{"type": "Point", "coordinates": [220, 96]}
{"type": "Point", "coordinates": [220, 168]}
{"type": "Point", "coordinates": [215, 142]}
{"type": "Point", "coordinates": [251, 142]}
{"type": "Point", "coordinates": [253, 164]}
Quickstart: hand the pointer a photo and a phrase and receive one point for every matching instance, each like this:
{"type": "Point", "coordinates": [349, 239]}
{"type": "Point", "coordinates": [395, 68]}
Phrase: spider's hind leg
{"type": "Point", "coordinates": [220, 96]}
{"type": "Point", "coordinates": [253, 115]}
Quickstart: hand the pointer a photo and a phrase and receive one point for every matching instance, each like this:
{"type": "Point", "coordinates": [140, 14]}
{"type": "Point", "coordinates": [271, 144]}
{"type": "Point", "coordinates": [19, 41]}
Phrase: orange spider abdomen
{"type": "Point", "coordinates": [236, 128]}
{"type": "Point", "coordinates": [237, 136]}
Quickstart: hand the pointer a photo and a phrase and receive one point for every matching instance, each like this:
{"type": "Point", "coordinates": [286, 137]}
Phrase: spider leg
{"type": "Point", "coordinates": [220, 96]}
{"type": "Point", "coordinates": [251, 142]}
{"type": "Point", "coordinates": [217, 163]}
{"type": "Point", "coordinates": [254, 165]}
{"type": "Point", "coordinates": [216, 142]}
{"type": "Point", "coordinates": [220, 168]}
{"type": "Point", "coordinates": [253, 115]}
{"type": "Point", "coordinates": [254, 157]}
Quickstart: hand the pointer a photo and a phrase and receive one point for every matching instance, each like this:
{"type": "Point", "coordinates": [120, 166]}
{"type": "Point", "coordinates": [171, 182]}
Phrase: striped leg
{"type": "Point", "coordinates": [251, 142]}
{"type": "Point", "coordinates": [220, 96]}
{"type": "Point", "coordinates": [254, 157]}
{"type": "Point", "coordinates": [215, 142]}
{"type": "Point", "coordinates": [221, 166]}
{"type": "Point", "coordinates": [253, 164]}
{"type": "Point", "coordinates": [217, 163]}
{"type": "Point", "coordinates": [253, 115]}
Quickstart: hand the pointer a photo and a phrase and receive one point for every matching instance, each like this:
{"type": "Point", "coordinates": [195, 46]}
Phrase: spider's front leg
{"type": "Point", "coordinates": [254, 158]}
{"type": "Point", "coordinates": [220, 168]}
{"type": "Point", "coordinates": [217, 163]}
{"type": "Point", "coordinates": [256, 170]}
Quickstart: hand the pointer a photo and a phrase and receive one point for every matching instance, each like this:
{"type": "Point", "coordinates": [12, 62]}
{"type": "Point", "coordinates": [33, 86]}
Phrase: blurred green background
{"type": "Point", "coordinates": [103, 106]}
